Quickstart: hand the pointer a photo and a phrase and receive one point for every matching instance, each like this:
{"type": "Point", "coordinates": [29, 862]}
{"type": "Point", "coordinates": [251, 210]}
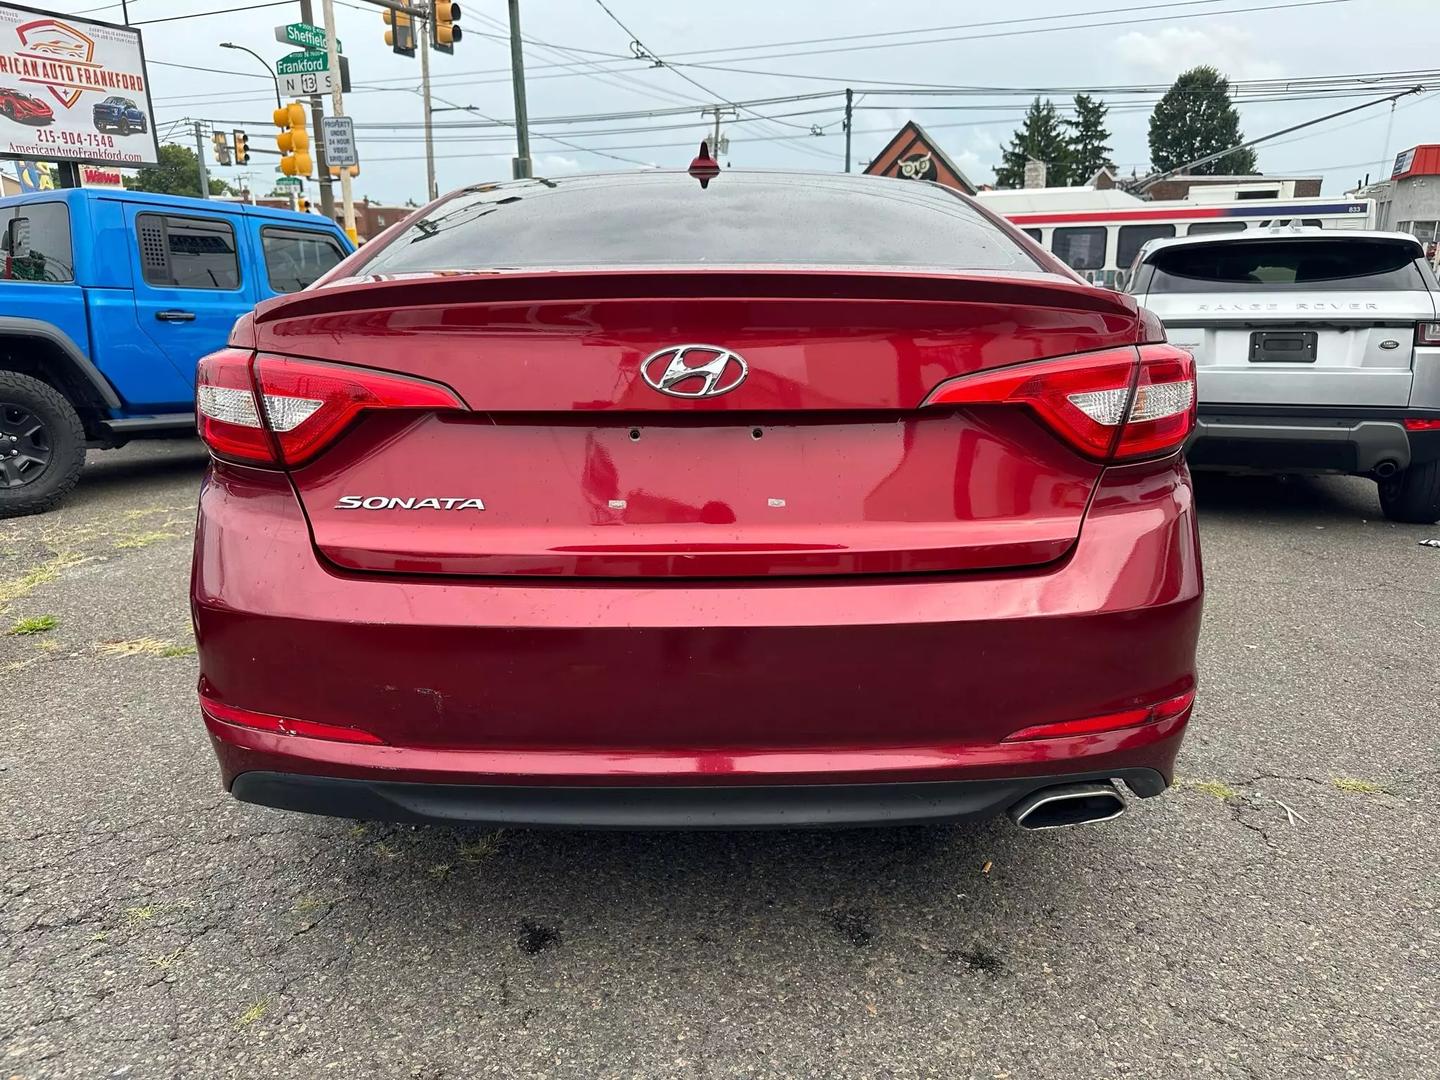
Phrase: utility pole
{"type": "Point", "coordinates": [317, 113]}
{"type": "Point", "coordinates": [849, 117]}
{"type": "Point", "coordinates": [332, 47]}
{"type": "Point", "coordinates": [522, 168]}
{"type": "Point", "coordinates": [200, 160]}
{"type": "Point", "coordinates": [718, 111]}
{"type": "Point", "coordinates": [431, 190]}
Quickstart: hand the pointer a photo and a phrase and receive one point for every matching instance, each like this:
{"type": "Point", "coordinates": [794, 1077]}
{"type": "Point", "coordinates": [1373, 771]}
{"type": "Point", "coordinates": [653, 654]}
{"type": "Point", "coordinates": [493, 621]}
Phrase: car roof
{"type": "Point", "coordinates": [178, 204]}
{"type": "Point", "coordinates": [1302, 234]}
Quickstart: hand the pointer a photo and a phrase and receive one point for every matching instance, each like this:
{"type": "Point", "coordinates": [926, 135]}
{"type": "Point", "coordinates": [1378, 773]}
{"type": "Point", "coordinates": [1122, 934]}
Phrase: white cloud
{"type": "Point", "coordinates": [1174, 49]}
{"type": "Point", "coordinates": [548, 164]}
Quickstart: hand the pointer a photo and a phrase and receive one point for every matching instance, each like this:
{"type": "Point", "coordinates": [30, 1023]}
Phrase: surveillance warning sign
{"type": "Point", "coordinates": [73, 90]}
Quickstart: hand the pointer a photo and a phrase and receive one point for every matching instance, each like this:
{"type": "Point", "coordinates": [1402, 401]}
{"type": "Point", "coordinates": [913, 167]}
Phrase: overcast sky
{"type": "Point", "coordinates": [1277, 40]}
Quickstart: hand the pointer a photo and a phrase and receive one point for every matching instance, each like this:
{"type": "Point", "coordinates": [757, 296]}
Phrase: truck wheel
{"type": "Point", "coordinates": [42, 445]}
{"type": "Point", "coordinates": [1413, 496]}
{"type": "Point", "coordinates": [124, 128]}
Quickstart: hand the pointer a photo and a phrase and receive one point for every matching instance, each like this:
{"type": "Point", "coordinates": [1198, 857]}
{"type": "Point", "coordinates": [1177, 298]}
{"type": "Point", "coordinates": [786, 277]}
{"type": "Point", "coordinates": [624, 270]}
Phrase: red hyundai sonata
{"type": "Point", "coordinates": [626, 501]}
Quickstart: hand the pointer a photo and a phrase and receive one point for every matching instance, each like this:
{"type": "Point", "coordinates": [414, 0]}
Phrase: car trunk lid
{"type": "Point", "coordinates": [1342, 333]}
{"type": "Point", "coordinates": [570, 460]}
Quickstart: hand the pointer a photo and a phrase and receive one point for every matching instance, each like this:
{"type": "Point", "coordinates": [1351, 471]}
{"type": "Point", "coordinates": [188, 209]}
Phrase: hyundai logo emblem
{"type": "Point", "coordinates": [694, 371]}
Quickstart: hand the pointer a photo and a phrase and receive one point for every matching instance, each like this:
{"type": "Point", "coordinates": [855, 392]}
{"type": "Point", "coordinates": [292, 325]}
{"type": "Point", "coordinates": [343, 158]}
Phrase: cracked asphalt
{"type": "Point", "coordinates": [1274, 915]}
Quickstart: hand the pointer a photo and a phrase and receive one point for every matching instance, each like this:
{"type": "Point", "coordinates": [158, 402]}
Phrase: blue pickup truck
{"type": "Point", "coordinates": [107, 300]}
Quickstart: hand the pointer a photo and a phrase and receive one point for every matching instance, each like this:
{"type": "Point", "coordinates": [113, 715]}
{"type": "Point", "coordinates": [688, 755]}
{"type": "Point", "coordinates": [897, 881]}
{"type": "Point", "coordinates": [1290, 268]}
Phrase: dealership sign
{"type": "Point", "coordinates": [73, 90]}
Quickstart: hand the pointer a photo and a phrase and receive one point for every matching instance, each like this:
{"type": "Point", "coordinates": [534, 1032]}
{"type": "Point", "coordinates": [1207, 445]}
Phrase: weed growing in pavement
{"type": "Point", "coordinates": [253, 1013]}
{"type": "Point", "coordinates": [35, 624]}
{"type": "Point", "coordinates": [1214, 788]}
{"type": "Point", "coordinates": [1357, 787]}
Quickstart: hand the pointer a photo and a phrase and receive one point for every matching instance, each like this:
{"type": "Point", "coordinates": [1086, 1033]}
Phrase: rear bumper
{"type": "Point", "coordinates": [473, 685]}
{"type": "Point", "coordinates": [1359, 442]}
{"type": "Point", "coordinates": [687, 807]}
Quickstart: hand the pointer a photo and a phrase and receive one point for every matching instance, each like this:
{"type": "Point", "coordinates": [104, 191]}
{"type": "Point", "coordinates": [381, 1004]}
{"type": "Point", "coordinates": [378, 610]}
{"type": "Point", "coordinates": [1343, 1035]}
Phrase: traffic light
{"type": "Point", "coordinates": [242, 147]}
{"type": "Point", "coordinates": [353, 170]}
{"type": "Point", "coordinates": [302, 204]}
{"type": "Point", "coordinates": [222, 148]}
{"type": "Point", "coordinates": [293, 140]}
{"type": "Point", "coordinates": [443, 31]}
{"type": "Point", "coordinates": [401, 35]}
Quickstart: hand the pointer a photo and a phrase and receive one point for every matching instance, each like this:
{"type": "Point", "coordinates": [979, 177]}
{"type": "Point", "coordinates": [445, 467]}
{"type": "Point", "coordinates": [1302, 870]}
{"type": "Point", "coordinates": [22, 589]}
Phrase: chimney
{"type": "Point", "coordinates": [1034, 174]}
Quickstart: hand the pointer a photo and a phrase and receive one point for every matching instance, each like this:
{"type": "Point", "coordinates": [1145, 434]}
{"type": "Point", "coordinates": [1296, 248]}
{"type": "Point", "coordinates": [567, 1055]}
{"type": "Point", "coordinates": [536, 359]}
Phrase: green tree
{"type": "Point", "coordinates": [178, 173]}
{"type": "Point", "coordinates": [1195, 118]}
{"type": "Point", "coordinates": [1041, 137]}
{"type": "Point", "coordinates": [1089, 139]}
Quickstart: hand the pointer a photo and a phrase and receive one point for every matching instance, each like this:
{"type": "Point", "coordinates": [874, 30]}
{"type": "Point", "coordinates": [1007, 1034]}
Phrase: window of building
{"type": "Point", "coordinates": [1081, 248]}
{"type": "Point", "coordinates": [1133, 237]}
{"type": "Point", "coordinates": [36, 243]}
{"type": "Point", "coordinates": [296, 258]}
{"type": "Point", "coordinates": [187, 252]}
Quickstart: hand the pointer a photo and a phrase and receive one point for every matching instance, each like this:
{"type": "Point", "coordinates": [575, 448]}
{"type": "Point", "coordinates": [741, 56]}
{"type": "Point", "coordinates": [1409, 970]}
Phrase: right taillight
{"type": "Point", "coordinates": [277, 410]}
{"type": "Point", "coordinates": [1427, 333]}
{"type": "Point", "coordinates": [1119, 404]}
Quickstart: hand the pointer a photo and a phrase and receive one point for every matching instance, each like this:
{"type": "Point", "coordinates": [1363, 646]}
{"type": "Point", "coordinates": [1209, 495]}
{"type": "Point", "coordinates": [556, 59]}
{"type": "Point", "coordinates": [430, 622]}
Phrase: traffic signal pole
{"type": "Point", "coordinates": [332, 48]}
{"type": "Point", "coordinates": [431, 190]}
{"type": "Point", "coordinates": [317, 113]}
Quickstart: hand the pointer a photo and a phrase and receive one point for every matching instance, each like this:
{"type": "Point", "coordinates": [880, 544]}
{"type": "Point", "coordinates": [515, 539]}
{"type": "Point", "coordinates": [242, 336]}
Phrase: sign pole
{"type": "Point", "coordinates": [431, 190]}
{"type": "Point", "coordinates": [317, 113]}
{"type": "Point", "coordinates": [332, 49]}
{"type": "Point", "coordinates": [200, 160]}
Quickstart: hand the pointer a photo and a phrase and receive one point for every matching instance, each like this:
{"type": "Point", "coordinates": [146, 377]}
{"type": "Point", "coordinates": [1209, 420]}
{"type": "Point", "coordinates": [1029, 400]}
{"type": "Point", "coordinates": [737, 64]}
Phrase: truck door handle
{"type": "Point", "coordinates": [175, 316]}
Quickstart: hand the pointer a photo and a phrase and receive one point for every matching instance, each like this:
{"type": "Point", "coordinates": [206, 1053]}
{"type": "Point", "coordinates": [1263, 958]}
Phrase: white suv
{"type": "Point", "coordinates": [1315, 350]}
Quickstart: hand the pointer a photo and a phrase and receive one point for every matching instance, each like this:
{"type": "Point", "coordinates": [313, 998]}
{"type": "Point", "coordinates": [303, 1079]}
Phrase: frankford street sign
{"type": "Point", "coordinates": [304, 73]}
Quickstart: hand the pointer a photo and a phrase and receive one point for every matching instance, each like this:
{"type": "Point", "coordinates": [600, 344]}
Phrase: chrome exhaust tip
{"type": "Point", "coordinates": [1064, 805]}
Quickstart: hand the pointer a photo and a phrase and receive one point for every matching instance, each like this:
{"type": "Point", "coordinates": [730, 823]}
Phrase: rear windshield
{"type": "Point", "coordinates": [1354, 264]}
{"type": "Point", "coordinates": [666, 219]}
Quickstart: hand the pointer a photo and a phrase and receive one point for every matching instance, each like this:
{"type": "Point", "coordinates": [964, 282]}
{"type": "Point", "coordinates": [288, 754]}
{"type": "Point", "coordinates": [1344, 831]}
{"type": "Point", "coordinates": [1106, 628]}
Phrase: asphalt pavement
{"type": "Point", "coordinates": [1274, 915]}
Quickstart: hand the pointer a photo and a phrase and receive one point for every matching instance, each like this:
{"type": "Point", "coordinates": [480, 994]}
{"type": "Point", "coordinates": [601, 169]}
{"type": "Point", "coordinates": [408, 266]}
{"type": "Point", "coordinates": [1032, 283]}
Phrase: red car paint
{"type": "Point", "coordinates": [24, 108]}
{"type": "Point", "coordinates": [853, 567]}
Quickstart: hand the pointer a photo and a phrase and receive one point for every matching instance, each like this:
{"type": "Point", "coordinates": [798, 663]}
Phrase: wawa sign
{"type": "Point", "coordinates": [913, 155]}
{"type": "Point", "coordinates": [73, 90]}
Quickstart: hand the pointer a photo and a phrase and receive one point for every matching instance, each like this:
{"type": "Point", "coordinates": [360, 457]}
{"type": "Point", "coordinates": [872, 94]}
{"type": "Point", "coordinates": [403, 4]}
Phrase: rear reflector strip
{"type": "Point", "coordinates": [1118, 721]}
{"type": "Point", "coordinates": [284, 725]}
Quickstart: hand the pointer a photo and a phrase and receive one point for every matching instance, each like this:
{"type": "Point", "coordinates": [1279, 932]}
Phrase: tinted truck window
{"type": "Point", "coordinates": [1354, 264]}
{"type": "Point", "coordinates": [36, 243]}
{"type": "Point", "coordinates": [664, 219]}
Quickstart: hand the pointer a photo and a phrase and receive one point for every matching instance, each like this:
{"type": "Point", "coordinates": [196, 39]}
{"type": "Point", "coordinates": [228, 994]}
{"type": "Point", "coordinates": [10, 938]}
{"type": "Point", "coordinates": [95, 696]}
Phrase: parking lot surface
{"type": "Point", "coordinates": [1274, 915]}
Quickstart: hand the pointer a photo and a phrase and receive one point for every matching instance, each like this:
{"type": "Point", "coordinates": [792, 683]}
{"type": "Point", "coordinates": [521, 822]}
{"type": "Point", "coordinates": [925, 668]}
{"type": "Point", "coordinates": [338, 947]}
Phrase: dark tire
{"type": "Point", "coordinates": [124, 128]}
{"type": "Point", "coordinates": [1413, 496]}
{"type": "Point", "coordinates": [42, 445]}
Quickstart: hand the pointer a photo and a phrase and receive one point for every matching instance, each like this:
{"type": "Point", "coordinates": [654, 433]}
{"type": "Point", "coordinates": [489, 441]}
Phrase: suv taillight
{"type": "Point", "coordinates": [1118, 404]}
{"type": "Point", "coordinates": [275, 410]}
{"type": "Point", "coordinates": [1427, 333]}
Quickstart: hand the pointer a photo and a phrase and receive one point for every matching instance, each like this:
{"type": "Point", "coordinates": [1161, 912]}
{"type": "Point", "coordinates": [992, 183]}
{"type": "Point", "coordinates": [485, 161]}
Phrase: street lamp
{"type": "Point", "coordinates": [268, 70]}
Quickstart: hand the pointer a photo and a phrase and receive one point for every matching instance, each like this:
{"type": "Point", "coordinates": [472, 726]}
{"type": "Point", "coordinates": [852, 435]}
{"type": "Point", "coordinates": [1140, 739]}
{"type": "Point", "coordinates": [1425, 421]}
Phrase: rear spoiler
{"type": "Point", "coordinates": [444, 288]}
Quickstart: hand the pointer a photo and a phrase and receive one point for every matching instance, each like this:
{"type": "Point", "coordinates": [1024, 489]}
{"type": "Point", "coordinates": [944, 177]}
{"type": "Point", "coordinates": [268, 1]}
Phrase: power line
{"type": "Point", "coordinates": [643, 52]}
{"type": "Point", "coordinates": [207, 14]}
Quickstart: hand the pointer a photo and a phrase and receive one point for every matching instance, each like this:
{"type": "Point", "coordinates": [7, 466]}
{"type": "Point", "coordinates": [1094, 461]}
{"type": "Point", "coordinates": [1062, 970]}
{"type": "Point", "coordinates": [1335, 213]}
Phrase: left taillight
{"type": "Point", "coordinates": [277, 410]}
{"type": "Point", "coordinates": [1119, 404]}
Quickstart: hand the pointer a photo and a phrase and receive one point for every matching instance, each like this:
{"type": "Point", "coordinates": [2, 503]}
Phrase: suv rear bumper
{"type": "Point", "coordinates": [1360, 442]}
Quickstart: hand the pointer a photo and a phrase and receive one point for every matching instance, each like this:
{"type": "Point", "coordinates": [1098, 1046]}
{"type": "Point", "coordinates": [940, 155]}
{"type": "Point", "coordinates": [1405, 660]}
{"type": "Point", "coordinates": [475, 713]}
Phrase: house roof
{"type": "Point", "coordinates": [910, 141]}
